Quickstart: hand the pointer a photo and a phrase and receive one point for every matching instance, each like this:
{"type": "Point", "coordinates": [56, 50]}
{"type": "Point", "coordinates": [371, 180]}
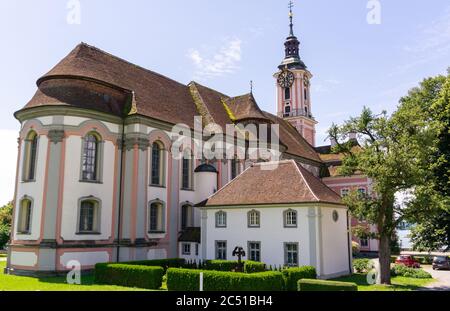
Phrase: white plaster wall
{"type": "Point", "coordinates": [334, 241]}
{"type": "Point", "coordinates": [85, 258]}
{"type": "Point", "coordinates": [271, 234]}
{"type": "Point", "coordinates": [74, 190]}
{"type": "Point", "coordinates": [46, 120]}
{"type": "Point", "coordinates": [32, 189]}
{"type": "Point", "coordinates": [192, 256]}
{"type": "Point", "coordinates": [28, 259]}
{"type": "Point", "coordinates": [156, 253]}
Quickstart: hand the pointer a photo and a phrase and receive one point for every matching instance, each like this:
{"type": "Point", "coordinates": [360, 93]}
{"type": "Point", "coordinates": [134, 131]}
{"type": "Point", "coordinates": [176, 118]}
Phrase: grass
{"type": "Point", "coordinates": [399, 283]}
{"type": "Point", "coordinates": [22, 283]}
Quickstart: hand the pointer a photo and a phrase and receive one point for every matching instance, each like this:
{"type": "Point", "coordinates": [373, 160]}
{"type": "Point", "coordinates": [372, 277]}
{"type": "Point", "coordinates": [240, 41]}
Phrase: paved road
{"type": "Point", "coordinates": [442, 277]}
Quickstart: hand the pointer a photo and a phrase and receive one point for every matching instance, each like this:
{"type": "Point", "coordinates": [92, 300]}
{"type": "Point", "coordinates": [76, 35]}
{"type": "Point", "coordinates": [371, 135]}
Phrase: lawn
{"type": "Point", "coordinates": [399, 283]}
{"type": "Point", "coordinates": [21, 283]}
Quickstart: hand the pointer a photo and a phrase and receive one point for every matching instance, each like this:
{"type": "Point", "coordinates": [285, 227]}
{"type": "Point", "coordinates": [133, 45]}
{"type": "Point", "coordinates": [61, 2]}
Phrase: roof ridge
{"type": "Point", "coordinates": [209, 88]}
{"type": "Point", "coordinates": [306, 182]}
{"type": "Point", "coordinates": [83, 44]}
{"type": "Point", "coordinates": [228, 183]}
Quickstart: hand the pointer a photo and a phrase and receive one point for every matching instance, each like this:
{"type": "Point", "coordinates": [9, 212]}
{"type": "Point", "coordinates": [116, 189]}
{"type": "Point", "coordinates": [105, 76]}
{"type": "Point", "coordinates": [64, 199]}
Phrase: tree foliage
{"type": "Point", "coordinates": [5, 223]}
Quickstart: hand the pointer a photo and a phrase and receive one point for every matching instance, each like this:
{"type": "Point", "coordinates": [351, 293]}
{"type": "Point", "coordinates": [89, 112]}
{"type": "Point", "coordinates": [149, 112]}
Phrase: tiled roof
{"type": "Point", "coordinates": [281, 182]}
{"type": "Point", "coordinates": [93, 79]}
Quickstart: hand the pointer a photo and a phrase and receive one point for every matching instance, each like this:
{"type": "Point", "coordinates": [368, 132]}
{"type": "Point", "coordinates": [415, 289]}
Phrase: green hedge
{"type": "Point", "coordinates": [293, 275]}
{"type": "Point", "coordinates": [164, 263]}
{"type": "Point", "coordinates": [129, 275]}
{"type": "Point", "coordinates": [254, 266]}
{"type": "Point", "coordinates": [402, 270]}
{"type": "Point", "coordinates": [230, 265]}
{"type": "Point", "coordinates": [322, 285]}
{"type": "Point", "coordinates": [189, 280]}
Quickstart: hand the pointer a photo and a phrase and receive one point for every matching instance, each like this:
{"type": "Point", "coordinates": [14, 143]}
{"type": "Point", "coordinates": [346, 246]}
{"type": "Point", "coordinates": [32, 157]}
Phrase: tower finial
{"type": "Point", "coordinates": [291, 15]}
{"type": "Point", "coordinates": [251, 86]}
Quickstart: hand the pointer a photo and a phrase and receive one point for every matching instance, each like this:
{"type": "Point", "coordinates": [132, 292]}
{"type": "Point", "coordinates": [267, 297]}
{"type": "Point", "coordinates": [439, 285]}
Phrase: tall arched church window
{"type": "Point", "coordinates": [90, 166]}
{"type": "Point", "coordinates": [287, 93]}
{"type": "Point", "coordinates": [30, 155]}
{"type": "Point", "coordinates": [157, 173]}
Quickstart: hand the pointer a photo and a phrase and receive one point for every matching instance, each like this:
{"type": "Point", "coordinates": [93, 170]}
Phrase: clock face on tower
{"type": "Point", "coordinates": [286, 79]}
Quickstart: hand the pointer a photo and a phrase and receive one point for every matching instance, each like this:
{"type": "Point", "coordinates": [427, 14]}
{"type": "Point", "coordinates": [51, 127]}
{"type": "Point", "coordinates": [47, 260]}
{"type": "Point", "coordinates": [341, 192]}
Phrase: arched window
{"type": "Point", "coordinates": [186, 216]}
{"type": "Point", "coordinates": [254, 219]}
{"type": "Point", "coordinates": [24, 223]}
{"type": "Point", "coordinates": [157, 174]}
{"type": "Point", "coordinates": [29, 164]}
{"type": "Point", "coordinates": [306, 94]}
{"type": "Point", "coordinates": [156, 219]}
{"type": "Point", "coordinates": [90, 159]}
{"type": "Point", "coordinates": [89, 216]}
{"type": "Point", "coordinates": [287, 93]}
{"type": "Point", "coordinates": [186, 172]}
{"type": "Point", "coordinates": [306, 111]}
{"type": "Point", "coordinates": [290, 218]}
{"type": "Point", "coordinates": [235, 167]}
{"type": "Point", "coordinates": [221, 219]}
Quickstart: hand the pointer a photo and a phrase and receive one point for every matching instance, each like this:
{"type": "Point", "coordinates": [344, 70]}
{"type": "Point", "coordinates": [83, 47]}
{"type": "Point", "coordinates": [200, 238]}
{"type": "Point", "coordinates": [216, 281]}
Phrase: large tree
{"type": "Point", "coordinates": [395, 152]}
{"type": "Point", "coordinates": [5, 224]}
{"type": "Point", "coordinates": [432, 231]}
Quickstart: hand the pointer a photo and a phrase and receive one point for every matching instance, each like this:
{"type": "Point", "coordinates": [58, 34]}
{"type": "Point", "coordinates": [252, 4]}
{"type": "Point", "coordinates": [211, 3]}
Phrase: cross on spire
{"type": "Point", "coordinates": [291, 15]}
{"type": "Point", "coordinates": [251, 86]}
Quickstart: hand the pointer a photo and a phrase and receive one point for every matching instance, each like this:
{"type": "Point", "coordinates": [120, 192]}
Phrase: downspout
{"type": "Point", "coordinates": [349, 250]}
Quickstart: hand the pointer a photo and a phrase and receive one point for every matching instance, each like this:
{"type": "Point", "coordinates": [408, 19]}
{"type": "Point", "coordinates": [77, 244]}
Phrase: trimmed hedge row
{"type": "Point", "coordinates": [164, 263]}
{"type": "Point", "coordinates": [189, 280]}
{"type": "Point", "coordinates": [402, 270]}
{"type": "Point", "coordinates": [129, 275]}
{"type": "Point", "coordinates": [293, 275]}
{"type": "Point", "coordinates": [230, 265]}
{"type": "Point", "coordinates": [309, 285]}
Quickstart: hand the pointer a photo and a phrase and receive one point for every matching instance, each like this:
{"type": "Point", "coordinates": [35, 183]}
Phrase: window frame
{"type": "Point", "coordinates": [30, 155]}
{"type": "Point", "coordinates": [217, 218]}
{"type": "Point", "coordinates": [286, 254]}
{"type": "Point", "coordinates": [190, 173]}
{"type": "Point", "coordinates": [21, 230]}
{"type": "Point", "coordinates": [161, 218]}
{"type": "Point", "coordinates": [183, 249]}
{"type": "Point", "coordinates": [161, 165]}
{"type": "Point", "coordinates": [96, 222]}
{"type": "Point", "coordinates": [250, 250]}
{"type": "Point", "coordinates": [285, 218]}
{"type": "Point", "coordinates": [98, 167]}
{"type": "Point", "coordinates": [189, 214]}
{"type": "Point", "coordinates": [221, 249]}
{"type": "Point", "coordinates": [344, 192]}
{"type": "Point", "coordinates": [249, 219]}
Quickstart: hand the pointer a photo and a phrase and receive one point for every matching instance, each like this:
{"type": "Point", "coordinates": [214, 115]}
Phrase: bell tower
{"type": "Point", "coordinates": [293, 87]}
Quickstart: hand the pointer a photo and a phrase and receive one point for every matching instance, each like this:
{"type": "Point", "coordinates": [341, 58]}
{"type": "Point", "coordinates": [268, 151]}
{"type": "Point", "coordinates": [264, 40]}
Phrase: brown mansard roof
{"type": "Point", "coordinates": [268, 183]}
{"type": "Point", "coordinates": [87, 69]}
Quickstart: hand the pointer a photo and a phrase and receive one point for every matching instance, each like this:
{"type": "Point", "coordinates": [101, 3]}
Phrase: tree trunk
{"type": "Point", "coordinates": [385, 258]}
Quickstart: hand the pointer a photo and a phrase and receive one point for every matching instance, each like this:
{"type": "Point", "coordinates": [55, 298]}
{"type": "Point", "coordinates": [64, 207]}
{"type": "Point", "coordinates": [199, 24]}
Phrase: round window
{"type": "Point", "coordinates": [335, 216]}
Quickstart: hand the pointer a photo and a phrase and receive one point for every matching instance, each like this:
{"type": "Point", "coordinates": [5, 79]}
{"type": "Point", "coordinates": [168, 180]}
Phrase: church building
{"type": "Point", "coordinates": [97, 179]}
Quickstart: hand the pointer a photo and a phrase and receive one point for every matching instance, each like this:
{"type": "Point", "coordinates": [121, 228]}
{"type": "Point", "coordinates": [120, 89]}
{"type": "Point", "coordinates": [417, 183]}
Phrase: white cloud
{"type": "Point", "coordinates": [8, 140]}
{"type": "Point", "coordinates": [325, 86]}
{"type": "Point", "coordinates": [224, 61]}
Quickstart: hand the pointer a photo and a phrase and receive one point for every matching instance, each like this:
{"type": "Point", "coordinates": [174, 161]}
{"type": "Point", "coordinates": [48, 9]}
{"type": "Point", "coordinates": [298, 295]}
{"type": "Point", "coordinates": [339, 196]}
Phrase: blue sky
{"type": "Point", "coordinates": [225, 44]}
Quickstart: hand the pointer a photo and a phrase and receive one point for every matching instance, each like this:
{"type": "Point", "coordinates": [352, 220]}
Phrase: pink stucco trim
{"type": "Point", "coordinates": [93, 126]}
{"type": "Point", "coordinates": [114, 194]}
{"type": "Point", "coordinates": [61, 252]}
{"type": "Point", "coordinates": [60, 191]}
{"type": "Point", "coordinates": [44, 192]}
{"type": "Point", "coordinates": [16, 185]}
{"type": "Point", "coordinates": [134, 192]}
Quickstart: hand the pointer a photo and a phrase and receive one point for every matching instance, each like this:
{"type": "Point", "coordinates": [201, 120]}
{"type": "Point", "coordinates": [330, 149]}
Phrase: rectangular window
{"type": "Point", "coordinates": [196, 249]}
{"type": "Point", "coordinates": [254, 251]}
{"type": "Point", "coordinates": [24, 225]}
{"type": "Point", "coordinates": [291, 254]}
{"type": "Point", "coordinates": [287, 93]}
{"type": "Point", "coordinates": [221, 219]}
{"type": "Point", "coordinates": [290, 218]}
{"type": "Point", "coordinates": [87, 217]}
{"type": "Point", "coordinates": [221, 250]}
{"type": "Point", "coordinates": [186, 248]}
{"type": "Point", "coordinates": [186, 174]}
{"type": "Point", "coordinates": [344, 192]}
{"type": "Point", "coordinates": [156, 218]}
{"type": "Point", "coordinates": [364, 242]}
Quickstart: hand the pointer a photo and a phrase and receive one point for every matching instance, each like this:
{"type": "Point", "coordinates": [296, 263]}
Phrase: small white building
{"type": "Point", "coordinates": [283, 216]}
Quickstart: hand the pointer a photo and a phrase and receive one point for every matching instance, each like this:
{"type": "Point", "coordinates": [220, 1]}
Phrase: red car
{"type": "Point", "coordinates": [408, 261]}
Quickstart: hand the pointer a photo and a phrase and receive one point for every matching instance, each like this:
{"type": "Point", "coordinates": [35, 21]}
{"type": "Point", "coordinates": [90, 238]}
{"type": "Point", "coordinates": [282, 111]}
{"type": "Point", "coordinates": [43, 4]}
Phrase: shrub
{"type": "Point", "coordinates": [402, 270]}
{"type": "Point", "coordinates": [254, 266]}
{"type": "Point", "coordinates": [362, 265]}
{"type": "Point", "coordinates": [129, 275]}
{"type": "Point", "coordinates": [189, 280]}
{"type": "Point", "coordinates": [322, 285]}
{"type": "Point", "coordinates": [292, 275]}
{"type": "Point", "coordinates": [221, 265]}
{"type": "Point", "coordinates": [164, 263]}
